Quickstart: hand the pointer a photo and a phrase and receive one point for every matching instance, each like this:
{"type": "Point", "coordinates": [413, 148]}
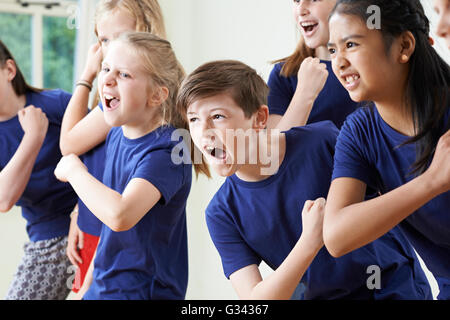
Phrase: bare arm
{"type": "Point", "coordinates": [282, 283]}
{"type": "Point", "coordinates": [80, 131]}
{"type": "Point", "coordinates": [351, 223]}
{"type": "Point", "coordinates": [16, 174]}
{"type": "Point", "coordinates": [120, 212]}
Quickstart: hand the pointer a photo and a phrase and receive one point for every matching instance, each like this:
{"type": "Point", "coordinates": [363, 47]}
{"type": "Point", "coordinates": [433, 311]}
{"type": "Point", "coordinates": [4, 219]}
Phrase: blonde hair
{"type": "Point", "coordinates": [164, 70]}
{"type": "Point", "coordinates": [146, 13]}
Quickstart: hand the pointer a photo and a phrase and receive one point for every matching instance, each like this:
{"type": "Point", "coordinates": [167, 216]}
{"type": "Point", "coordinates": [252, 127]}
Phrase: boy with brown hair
{"type": "Point", "coordinates": [255, 215]}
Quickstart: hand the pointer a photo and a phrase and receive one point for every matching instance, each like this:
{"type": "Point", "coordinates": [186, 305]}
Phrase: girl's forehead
{"type": "Point", "coordinates": [115, 22]}
{"type": "Point", "coordinates": [122, 54]}
{"type": "Point", "coordinates": [344, 23]}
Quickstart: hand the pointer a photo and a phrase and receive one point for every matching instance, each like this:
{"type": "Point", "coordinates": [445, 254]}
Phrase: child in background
{"type": "Point", "coordinates": [293, 98]}
{"type": "Point", "coordinates": [442, 8]}
{"type": "Point", "coordinates": [112, 18]}
{"type": "Point", "coordinates": [398, 146]}
{"type": "Point", "coordinates": [30, 124]}
{"type": "Point", "coordinates": [142, 253]}
{"type": "Point", "coordinates": [257, 215]}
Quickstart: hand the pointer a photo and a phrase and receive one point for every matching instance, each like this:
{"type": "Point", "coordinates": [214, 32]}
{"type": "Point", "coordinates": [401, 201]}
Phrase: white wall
{"type": "Point", "coordinates": [253, 31]}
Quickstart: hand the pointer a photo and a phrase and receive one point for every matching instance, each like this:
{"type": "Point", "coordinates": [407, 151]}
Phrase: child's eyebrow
{"type": "Point", "coordinates": [212, 110]}
{"type": "Point", "coordinates": [345, 39]}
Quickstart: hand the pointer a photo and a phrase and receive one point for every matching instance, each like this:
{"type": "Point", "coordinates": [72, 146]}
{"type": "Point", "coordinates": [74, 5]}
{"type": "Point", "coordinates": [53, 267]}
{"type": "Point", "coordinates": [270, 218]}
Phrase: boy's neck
{"type": "Point", "coordinates": [273, 149]}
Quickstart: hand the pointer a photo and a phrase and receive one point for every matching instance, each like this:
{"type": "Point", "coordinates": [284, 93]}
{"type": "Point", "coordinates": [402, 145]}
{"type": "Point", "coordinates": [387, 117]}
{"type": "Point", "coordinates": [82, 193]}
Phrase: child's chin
{"type": "Point", "coordinates": [112, 122]}
{"type": "Point", "coordinates": [223, 170]}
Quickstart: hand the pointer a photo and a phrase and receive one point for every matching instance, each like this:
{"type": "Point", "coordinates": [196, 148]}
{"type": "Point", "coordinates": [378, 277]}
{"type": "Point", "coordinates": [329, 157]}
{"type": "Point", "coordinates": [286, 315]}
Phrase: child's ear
{"type": "Point", "coordinates": [407, 46]}
{"type": "Point", "coordinates": [10, 67]}
{"type": "Point", "coordinates": [262, 115]}
{"type": "Point", "coordinates": [158, 96]}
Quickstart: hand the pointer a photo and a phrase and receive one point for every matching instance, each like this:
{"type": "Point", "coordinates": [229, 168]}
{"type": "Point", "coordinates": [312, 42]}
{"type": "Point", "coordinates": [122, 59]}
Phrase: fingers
{"type": "Point", "coordinates": [308, 205]}
{"type": "Point", "coordinates": [320, 203]}
{"type": "Point", "coordinates": [80, 239]}
{"type": "Point", "coordinates": [317, 204]}
{"type": "Point", "coordinates": [72, 253]}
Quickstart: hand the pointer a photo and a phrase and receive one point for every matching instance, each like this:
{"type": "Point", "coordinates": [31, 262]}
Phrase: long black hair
{"type": "Point", "coordinates": [19, 83]}
{"type": "Point", "coordinates": [427, 92]}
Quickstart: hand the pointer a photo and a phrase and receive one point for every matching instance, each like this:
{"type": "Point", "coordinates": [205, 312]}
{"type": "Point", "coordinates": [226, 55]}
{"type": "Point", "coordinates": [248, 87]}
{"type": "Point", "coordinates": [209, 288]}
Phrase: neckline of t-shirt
{"type": "Point", "coordinates": [397, 136]}
{"type": "Point", "coordinates": [153, 135]}
{"type": "Point", "coordinates": [269, 180]}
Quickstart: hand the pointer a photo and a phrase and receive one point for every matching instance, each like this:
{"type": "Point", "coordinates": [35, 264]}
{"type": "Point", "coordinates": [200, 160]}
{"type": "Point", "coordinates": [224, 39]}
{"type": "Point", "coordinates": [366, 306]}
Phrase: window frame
{"type": "Point", "coordinates": [81, 11]}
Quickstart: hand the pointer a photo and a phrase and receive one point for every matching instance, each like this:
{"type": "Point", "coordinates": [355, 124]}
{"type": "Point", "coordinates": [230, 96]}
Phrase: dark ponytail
{"type": "Point", "coordinates": [19, 84]}
{"type": "Point", "coordinates": [427, 91]}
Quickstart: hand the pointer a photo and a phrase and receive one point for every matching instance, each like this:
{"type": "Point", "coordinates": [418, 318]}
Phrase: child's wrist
{"type": "Point", "coordinates": [431, 183]}
{"type": "Point", "coordinates": [88, 76]}
{"type": "Point", "coordinates": [35, 138]}
{"type": "Point", "coordinates": [311, 243]}
{"type": "Point", "coordinates": [305, 95]}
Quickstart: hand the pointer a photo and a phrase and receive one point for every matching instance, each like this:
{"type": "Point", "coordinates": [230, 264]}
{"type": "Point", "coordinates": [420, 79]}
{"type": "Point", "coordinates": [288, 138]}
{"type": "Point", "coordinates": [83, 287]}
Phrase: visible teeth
{"type": "Point", "coordinates": [308, 24]}
{"type": "Point", "coordinates": [351, 78]}
{"type": "Point", "coordinates": [107, 96]}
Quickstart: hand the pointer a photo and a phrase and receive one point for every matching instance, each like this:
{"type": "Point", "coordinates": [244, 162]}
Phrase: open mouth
{"type": "Point", "coordinates": [309, 27]}
{"type": "Point", "coordinates": [217, 153]}
{"type": "Point", "coordinates": [111, 102]}
{"type": "Point", "coordinates": [351, 81]}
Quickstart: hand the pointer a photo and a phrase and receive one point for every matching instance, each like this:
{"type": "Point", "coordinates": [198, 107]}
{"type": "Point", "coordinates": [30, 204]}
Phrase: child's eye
{"type": "Point", "coordinates": [332, 51]}
{"type": "Point", "coordinates": [350, 45]}
{"type": "Point", "coordinates": [218, 116]}
{"type": "Point", "coordinates": [124, 75]}
{"type": "Point", "coordinates": [192, 120]}
{"type": "Point", "coordinates": [105, 69]}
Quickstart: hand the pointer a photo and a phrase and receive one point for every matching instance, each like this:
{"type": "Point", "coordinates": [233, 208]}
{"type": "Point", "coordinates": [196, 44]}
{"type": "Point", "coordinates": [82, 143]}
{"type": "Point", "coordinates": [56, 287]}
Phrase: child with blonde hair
{"type": "Point", "coordinates": [142, 253]}
{"type": "Point", "coordinates": [112, 18]}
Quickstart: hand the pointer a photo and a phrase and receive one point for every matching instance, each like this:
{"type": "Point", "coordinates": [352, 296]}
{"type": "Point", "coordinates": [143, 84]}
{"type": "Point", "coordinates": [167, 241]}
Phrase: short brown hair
{"type": "Point", "coordinates": [244, 85]}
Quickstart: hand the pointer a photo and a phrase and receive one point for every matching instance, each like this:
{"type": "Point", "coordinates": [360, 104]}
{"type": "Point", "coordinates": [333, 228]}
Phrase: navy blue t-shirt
{"type": "Point", "coordinates": [250, 222]}
{"type": "Point", "coordinates": [94, 160]}
{"type": "Point", "coordinates": [46, 202]}
{"type": "Point", "coordinates": [367, 150]}
{"type": "Point", "coordinates": [149, 261]}
{"type": "Point", "coordinates": [333, 102]}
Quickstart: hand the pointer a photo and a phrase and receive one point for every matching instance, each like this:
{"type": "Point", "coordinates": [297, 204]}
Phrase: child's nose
{"type": "Point", "coordinates": [303, 8]}
{"type": "Point", "coordinates": [443, 28]}
{"type": "Point", "coordinates": [109, 79]}
{"type": "Point", "coordinates": [341, 62]}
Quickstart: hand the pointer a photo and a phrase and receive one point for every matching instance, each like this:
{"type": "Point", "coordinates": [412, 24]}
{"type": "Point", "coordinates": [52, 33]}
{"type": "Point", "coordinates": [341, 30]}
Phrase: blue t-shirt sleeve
{"type": "Point", "coordinates": [158, 168]}
{"type": "Point", "coordinates": [280, 92]}
{"type": "Point", "coordinates": [349, 158]}
{"type": "Point", "coordinates": [233, 250]}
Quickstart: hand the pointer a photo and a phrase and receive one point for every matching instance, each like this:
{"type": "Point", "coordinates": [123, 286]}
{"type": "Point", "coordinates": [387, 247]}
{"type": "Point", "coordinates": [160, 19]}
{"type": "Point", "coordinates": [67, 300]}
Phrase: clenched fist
{"type": "Point", "coordinates": [312, 76]}
{"type": "Point", "coordinates": [33, 121]}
